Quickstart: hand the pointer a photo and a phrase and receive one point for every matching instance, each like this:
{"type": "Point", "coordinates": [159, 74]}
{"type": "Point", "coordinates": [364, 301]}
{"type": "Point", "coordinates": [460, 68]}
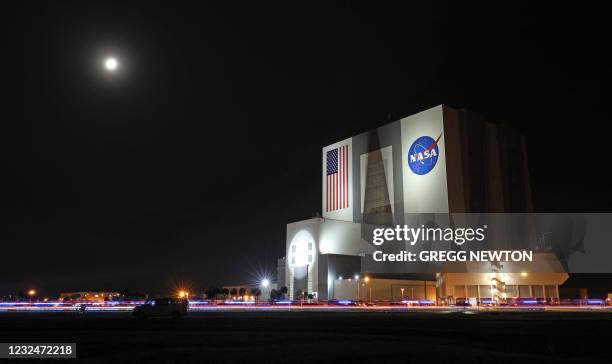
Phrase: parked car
{"type": "Point", "coordinates": [162, 307]}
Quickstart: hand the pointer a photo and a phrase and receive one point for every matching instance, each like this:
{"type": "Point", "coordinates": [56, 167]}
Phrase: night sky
{"type": "Point", "coordinates": [187, 164]}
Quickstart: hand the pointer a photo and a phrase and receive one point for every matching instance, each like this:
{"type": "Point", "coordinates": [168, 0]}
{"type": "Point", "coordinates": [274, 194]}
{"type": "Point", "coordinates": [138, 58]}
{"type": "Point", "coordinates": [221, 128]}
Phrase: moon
{"type": "Point", "coordinates": [111, 64]}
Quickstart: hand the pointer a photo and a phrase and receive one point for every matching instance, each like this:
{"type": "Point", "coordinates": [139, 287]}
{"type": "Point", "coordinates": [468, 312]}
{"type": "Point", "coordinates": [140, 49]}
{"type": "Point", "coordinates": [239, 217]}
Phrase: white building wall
{"type": "Point", "coordinates": [327, 237]}
{"type": "Point", "coordinates": [426, 193]}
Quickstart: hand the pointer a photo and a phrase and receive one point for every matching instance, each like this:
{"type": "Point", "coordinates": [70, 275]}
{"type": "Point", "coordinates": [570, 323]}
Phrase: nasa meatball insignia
{"type": "Point", "coordinates": [423, 154]}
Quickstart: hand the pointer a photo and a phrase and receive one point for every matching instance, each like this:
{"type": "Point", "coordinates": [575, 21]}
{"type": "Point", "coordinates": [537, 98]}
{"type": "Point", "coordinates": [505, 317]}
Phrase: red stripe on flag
{"type": "Point", "coordinates": [338, 174]}
{"type": "Point", "coordinates": [333, 201]}
{"type": "Point", "coordinates": [331, 192]}
{"type": "Point", "coordinates": [341, 176]}
{"type": "Point", "coordinates": [336, 187]}
{"type": "Point", "coordinates": [326, 192]}
{"type": "Point", "coordinates": [346, 189]}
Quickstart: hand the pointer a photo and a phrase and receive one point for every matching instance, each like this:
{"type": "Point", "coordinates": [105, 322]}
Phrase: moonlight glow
{"type": "Point", "coordinates": [111, 64]}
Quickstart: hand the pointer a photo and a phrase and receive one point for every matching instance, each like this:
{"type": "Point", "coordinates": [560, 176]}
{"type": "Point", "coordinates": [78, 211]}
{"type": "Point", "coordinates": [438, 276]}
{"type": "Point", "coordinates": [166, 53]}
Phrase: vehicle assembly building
{"type": "Point", "coordinates": [438, 161]}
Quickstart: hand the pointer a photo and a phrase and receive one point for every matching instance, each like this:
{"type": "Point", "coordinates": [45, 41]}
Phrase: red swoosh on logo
{"type": "Point", "coordinates": [434, 143]}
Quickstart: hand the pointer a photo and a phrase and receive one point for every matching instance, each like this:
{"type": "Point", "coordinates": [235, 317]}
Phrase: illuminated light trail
{"type": "Point", "coordinates": [237, 302]}
{"type": "Point", "coordinates": [288, 305]}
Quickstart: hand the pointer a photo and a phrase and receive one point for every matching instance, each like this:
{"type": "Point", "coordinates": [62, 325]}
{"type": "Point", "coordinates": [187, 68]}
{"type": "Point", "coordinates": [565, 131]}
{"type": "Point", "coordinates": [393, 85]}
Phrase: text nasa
{"type": "Point", "coordinates": [420, 156]}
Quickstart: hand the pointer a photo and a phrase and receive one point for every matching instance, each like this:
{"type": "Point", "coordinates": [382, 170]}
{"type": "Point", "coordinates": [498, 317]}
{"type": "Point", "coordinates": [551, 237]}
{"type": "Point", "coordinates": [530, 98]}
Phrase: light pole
{"type": "Point", "coordinates": [493, 289]}
{"type": "Point", "coordinates": [367, 280]}
{"type": "Point", "coordinates": [357, 282]}
{"type": "Point", "coordinates": [31, 293]}
{"type": "Point", "coordinates": [402, 289]}
{"type": "Point", "coordinates": [265, 283]}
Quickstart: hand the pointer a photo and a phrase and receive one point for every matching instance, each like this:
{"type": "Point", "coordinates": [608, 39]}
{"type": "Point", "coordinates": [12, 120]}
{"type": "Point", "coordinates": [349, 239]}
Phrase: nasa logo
{"type": "Point", "coordinates": [423, 155]}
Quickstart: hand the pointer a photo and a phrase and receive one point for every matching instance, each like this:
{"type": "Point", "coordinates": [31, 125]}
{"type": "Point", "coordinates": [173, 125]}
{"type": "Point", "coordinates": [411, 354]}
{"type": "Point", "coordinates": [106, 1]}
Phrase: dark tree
{"type": "Point", "coordinates": [212, 292]}
{"type": "Point", "coordinates": [274, 294]}
{"type": "Point", "coordinates": [256, 292]}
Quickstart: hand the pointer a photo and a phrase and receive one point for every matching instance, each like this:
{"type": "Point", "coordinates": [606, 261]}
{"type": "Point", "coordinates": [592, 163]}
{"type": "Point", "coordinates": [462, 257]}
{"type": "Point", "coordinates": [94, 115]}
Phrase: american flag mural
{"type": "Point", "coordinates": [337, 179]}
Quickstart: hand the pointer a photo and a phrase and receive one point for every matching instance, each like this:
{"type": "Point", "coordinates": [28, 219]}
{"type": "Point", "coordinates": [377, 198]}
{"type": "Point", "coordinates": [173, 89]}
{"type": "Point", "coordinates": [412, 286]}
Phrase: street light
{"type": "Point", "coordinates": [402, 289]}
{"type": "Point", "coordinates": [265, 282]}
{"type": "Point", "coordinates": [31, 293]}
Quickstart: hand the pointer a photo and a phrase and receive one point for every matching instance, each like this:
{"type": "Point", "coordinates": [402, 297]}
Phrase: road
{"type": "Point", "coordinates": [325, 336]}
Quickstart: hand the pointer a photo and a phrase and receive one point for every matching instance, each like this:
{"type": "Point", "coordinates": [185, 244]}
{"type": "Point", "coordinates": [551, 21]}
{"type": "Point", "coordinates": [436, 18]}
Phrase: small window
{"type": "Point", "coordinates": [292, 260]}
{"type": "Point", "coordinates": [310, 246]}
{"type": "Point", "coordinates": [309, 258]}
{"type": "Point", "coordinates": [293, 248]}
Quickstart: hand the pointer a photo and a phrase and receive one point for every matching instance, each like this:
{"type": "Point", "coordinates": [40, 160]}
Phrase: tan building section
{"type": "Point", "coordinates": [486, 165]}
{"type": "Point", "coordinates": [387, 290]}
{"type": "Point", "coordinates": [499, 287]}
{"type": "Point", "coordinates": [538, 279]}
